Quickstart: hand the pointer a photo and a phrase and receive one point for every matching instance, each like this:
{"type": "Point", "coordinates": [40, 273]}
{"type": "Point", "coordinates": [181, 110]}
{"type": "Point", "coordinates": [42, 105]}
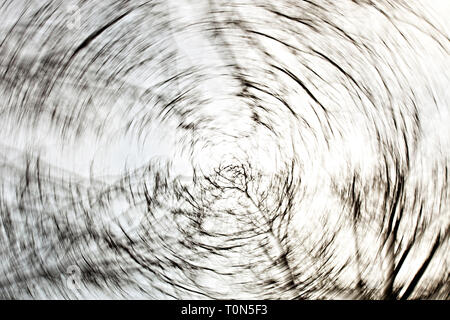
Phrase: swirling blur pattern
{"type": "Point", "coordinates": [293, 149]}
